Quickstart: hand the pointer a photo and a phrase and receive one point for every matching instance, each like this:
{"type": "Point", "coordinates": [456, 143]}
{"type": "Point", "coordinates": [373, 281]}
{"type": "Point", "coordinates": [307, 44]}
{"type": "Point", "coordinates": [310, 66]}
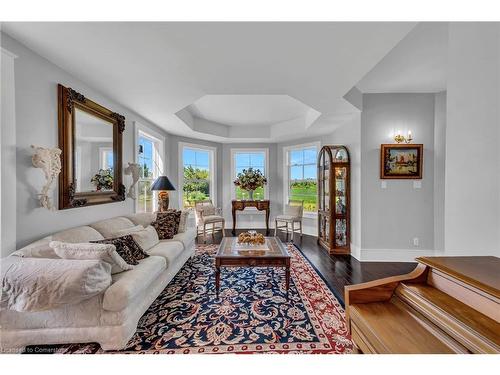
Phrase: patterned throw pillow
{"type": "Point", "coordinates": [183, 221]}
{"type": "Point", "coordinates": [127, 248]}
{"type": "Point", "coordinates": [167, 224]}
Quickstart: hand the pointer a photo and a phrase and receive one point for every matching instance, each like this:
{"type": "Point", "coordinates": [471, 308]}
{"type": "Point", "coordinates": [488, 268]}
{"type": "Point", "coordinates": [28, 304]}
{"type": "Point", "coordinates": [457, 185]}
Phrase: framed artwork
{"type": "Point", "coordinates": [401, 161]}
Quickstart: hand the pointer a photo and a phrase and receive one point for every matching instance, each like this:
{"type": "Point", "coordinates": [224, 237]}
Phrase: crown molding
{"type": "Point", "coordinates": [8, 53]}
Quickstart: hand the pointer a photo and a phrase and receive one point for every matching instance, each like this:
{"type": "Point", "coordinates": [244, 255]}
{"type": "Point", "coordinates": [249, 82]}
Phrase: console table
{"type": "Point", "coordinates": [262, 205]}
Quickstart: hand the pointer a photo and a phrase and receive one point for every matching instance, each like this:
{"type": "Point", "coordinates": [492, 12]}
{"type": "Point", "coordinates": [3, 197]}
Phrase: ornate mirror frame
{"type": "Point", "coordinates": [68, 100]}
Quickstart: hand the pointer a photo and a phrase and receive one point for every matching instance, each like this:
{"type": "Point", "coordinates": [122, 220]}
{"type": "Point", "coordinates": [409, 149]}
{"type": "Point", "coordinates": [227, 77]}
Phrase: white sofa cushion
{"type": "Point", "coordinates": [146, 238]}
{"type": "Point", "coordinates": [78, 234]}
{"type": "Point", "coordinates": [127, 285]}
{"type": "Point", "coordinates": [186, 238]}
{"type": "Point", "coordinates": [168, 249]}
{"type": "Point", "coordinates": [97, 251]}
{"type": "Point", "coordinates": [108, 227]}
{"type": "Point", "coordinates": [41, 248]}
{"type": "Point", "coordinates": [37, 284]}
{"type": "Point", "coordinates": [84, 314]}
{"type": "Point", "coordinates": [142, 218]}
{"type": "Point", "coordinates": [127, 231]}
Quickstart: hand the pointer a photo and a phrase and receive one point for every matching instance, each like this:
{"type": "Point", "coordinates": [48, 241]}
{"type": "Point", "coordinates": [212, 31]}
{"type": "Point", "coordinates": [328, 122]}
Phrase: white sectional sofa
{"type": "Point", "coordinates": [109, 318]}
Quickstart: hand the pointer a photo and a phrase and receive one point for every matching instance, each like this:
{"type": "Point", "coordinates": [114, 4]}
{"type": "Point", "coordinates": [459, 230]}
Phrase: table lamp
{"type": "Point", "coordinates": [163, 185]}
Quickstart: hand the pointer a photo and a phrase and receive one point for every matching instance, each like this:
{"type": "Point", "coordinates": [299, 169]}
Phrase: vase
{"type": "Point", "coordinates": [250, 195]}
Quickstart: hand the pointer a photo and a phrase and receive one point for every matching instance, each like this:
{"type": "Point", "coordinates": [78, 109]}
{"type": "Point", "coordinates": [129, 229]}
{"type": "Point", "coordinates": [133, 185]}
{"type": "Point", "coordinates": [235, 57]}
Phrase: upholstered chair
{"type": "Point", "coordinates": [293, 213]}
{"type": "Point", "coordinates": [208, 215]}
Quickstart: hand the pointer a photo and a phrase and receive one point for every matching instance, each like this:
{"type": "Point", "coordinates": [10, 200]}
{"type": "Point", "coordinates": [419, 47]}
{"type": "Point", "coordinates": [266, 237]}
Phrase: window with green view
{"type": "Point", "coordinates": [146, 174]}
{"type": "Point", "coordinates": [196, 185]}
{"type": "Point", "coordinates": [245, 160]}
{"type": "Point", "coordinates": [302, 176]}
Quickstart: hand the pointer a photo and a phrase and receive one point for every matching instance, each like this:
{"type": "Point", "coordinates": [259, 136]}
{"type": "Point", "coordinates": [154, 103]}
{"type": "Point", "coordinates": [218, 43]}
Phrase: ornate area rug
{"type": "Point", "coordinates": [252, 314]}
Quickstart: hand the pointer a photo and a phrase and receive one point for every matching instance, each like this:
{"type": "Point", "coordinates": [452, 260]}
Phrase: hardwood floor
{"type": "Point", "coordinates": [337, 271]}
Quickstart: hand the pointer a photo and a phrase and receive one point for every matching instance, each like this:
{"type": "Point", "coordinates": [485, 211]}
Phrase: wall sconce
{"type": "Point", "coordinates": [399, 138]}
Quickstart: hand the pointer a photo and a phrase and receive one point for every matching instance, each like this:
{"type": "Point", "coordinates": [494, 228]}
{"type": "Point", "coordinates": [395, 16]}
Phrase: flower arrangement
{"type": "Point", "coordinates": [103, 180]}
{"type": "Point", "coordinates": [250, 179]}
{"type": "Point", "coordinates": [251, 238]}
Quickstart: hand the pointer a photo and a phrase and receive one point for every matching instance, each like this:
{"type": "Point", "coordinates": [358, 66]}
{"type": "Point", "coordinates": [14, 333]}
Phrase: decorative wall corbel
{"type": "Point", "coordinates": [133, 170]}
{"type": "Point", "coordinates": [49, 160]}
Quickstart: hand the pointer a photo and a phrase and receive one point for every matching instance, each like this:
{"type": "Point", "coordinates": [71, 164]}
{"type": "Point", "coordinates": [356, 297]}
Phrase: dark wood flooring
{"type": "Point", "coordinates": [337, 271]}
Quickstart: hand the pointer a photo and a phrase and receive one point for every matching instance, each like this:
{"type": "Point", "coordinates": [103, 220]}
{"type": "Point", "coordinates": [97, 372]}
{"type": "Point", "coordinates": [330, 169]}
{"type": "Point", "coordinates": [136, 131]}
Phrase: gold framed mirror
{"type": "Point", "coordinates": [90, 137]}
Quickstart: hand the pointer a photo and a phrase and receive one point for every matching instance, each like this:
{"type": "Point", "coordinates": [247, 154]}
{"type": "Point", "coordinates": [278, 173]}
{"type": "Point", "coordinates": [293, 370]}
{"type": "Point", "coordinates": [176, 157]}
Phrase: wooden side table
{"type": "Point", "coordinates": [261, 205]}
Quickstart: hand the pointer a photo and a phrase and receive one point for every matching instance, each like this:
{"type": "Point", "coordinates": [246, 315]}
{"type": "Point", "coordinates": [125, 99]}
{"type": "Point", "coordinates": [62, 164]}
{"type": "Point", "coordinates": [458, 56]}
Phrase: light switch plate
{"type": "Point", "coordinates": [383, 184]}
{"type": "Point", "coordinates": [417, 184]}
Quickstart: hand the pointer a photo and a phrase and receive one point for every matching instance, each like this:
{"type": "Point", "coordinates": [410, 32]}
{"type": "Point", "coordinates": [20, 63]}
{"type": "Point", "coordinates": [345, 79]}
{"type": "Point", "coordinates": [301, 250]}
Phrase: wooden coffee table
{"type": "Point", "coordinates": [272, 254]}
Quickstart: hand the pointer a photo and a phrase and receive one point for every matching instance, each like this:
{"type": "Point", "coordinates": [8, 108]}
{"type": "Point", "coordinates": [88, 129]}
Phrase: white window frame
{"type": "Point", "coordinates": [78, 167]}
{"type": "Point", "coordinates": [235, 151]}
{"type": "Point", "coordinates": [158, 157]}
{"type": "Point", "coordinates": [286, 174]}
{"type": "Point", "coordinates": [212, 152]}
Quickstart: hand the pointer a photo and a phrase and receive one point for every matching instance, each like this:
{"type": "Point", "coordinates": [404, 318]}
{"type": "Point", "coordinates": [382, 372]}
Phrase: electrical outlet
{"type": "Point", "coordinates": [416, 242]}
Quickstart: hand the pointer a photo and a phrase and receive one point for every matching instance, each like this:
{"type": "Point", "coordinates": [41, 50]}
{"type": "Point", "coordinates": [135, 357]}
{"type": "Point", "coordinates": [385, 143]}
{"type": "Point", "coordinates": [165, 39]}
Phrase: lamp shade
{"type": "Point", "coordinates": [162, 183]}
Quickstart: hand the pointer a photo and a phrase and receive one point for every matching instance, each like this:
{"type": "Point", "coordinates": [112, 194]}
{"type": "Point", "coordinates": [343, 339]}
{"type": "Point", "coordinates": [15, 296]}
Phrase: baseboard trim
{"type": "Point", "coordinates": [395, 255]}
{"type": "Point", "coordinates": [356, 252]}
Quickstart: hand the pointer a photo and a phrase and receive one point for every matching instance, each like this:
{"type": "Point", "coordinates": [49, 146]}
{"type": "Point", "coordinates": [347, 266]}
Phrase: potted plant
{"type": "Point", "coordinates": [249, 180]}
{"type": "Point", "coordinates": [103, 180]}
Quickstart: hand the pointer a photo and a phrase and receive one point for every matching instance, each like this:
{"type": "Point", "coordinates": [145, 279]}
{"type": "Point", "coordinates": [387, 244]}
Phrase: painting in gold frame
{"type": "Point", "coordinates": [401, 161]}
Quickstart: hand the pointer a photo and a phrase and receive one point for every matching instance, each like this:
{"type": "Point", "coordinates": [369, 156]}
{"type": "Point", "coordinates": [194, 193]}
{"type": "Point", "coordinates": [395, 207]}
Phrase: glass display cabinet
{"type": "Point", "coordinates": [334, 199]}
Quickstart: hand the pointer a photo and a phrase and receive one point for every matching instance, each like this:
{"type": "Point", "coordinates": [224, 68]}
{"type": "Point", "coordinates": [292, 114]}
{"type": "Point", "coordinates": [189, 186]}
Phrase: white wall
{"type": "Point", "coordinates": [8, 154]}
{"type": "Point", "coordinates": [472, 205]}
{"type": "Point", "coordinates": [439, 168]}
{"type": "Point", "coordinates": [391, 217]}
{"type": "Point", "coordinates": [350, 135]}
{"type": "Point", "coordinates": [36, 82]}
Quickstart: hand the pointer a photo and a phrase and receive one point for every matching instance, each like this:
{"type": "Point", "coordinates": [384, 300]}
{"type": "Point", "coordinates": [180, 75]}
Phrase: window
{"type": "Point", "coordinates": [244, 159]}
{"type": "Point", "coordinates": [301, 175]}
{"type": "Point", "coordinates": [106, 157]}
{"type": "Point", "coordinates": [197, 174]}
{"type": "Point", "coordinates": [149, 151]}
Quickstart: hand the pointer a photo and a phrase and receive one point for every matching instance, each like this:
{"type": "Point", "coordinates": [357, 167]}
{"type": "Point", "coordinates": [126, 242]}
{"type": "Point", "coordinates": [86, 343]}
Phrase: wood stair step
{"type": "Point", "coordinates": [393, 327]}
{"type": "Point", "coordinates": [476, 331]}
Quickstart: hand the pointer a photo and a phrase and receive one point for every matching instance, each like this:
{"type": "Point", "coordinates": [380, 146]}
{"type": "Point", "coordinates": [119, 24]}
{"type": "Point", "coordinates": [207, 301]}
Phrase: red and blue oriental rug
{"type": "Point", "coordinates": [252, 314]}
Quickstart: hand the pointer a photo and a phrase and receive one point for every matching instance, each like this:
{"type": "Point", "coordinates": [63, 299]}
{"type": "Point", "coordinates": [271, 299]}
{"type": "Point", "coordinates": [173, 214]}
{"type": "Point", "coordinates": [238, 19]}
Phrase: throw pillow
{"type": "Point", "coordinates": [183, 221]}
{"type": "Point", "coordinates": [127, 248]}
{"type": "Point", "coordinates": [38, 284]}
{"type": "Point", "coordinates": [167, 224]}
{"type": "Point", "coordinates": [91, 251]}
{"type": "Point", "coordinates": [38, 249]}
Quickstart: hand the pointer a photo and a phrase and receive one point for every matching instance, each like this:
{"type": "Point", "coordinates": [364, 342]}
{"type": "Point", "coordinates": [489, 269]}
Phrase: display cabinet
{"type": "Point", "coordinates": [334, 199]}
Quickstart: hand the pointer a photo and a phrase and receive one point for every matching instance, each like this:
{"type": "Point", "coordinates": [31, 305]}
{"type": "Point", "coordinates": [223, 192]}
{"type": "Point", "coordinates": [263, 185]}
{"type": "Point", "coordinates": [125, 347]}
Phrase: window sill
{"type": "Point", "coordinates": [310, 215]}
{"type": "Point", "coordinates": [251, 211]}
